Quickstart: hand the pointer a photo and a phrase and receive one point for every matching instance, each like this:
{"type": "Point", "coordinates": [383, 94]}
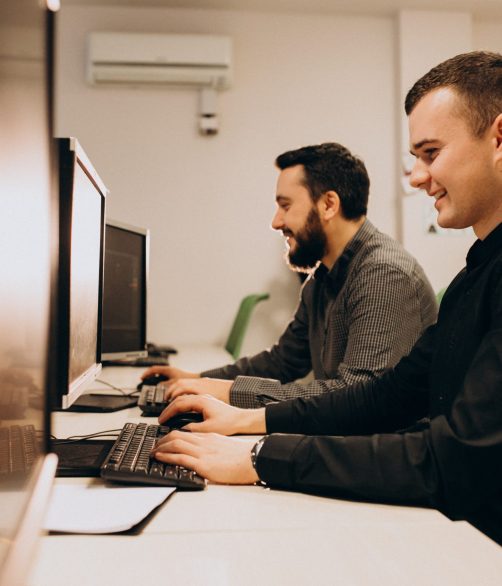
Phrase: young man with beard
{"type": "Point", "coordinates": [364, 441]}
{"type": "Point", "coordinates": [362, 309]}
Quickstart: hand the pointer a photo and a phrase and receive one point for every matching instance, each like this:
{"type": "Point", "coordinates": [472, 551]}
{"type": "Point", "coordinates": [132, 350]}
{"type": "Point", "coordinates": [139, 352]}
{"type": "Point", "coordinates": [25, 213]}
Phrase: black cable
{"type": "Point", "coordinates": [76, 438]}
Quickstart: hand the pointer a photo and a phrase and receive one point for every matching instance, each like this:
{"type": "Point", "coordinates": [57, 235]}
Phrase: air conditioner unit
{"type": "Point", "coordinates": [182, 60]}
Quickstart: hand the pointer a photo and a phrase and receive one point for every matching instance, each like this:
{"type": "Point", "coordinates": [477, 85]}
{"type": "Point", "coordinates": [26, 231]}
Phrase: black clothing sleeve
{"type": "Point", "coordinates": [391, 402]}
{"type": "Point", "coordinates": [453, 464]}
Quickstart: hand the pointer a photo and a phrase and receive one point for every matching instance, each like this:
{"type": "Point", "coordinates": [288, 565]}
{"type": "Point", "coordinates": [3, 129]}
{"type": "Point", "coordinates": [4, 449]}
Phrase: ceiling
{"type": "Point", "coordinates": [485, 9]}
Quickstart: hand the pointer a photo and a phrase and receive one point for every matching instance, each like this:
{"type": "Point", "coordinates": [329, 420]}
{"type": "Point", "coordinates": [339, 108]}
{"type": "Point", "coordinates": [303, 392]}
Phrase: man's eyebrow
{"type": "Point", "coordinates": [282, 199]}
{"type": "Point", "coordinates": [418, 145]}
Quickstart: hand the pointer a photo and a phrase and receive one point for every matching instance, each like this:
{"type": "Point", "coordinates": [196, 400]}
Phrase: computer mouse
{"type": "Point", "coordinates": [153, 379]}
{"type": "Point", "coordinates": [182, 419]}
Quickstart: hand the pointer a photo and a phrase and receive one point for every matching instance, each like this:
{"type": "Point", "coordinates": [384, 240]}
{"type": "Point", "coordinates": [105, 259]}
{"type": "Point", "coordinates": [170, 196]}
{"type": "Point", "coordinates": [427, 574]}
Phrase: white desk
{"type": "Point", "coordinates": [251, 535]}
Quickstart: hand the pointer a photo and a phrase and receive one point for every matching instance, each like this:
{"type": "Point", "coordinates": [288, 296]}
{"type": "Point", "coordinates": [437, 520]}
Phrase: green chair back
{"type": "Point", "coordinates": [439, 295]}
{"type": "Point", "coordinates": [236, 337]}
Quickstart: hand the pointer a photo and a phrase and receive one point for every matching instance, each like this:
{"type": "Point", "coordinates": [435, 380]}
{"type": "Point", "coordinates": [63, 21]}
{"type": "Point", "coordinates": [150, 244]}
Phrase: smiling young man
{"type": "Point", "coordinates": [362, 309]}
{"type": "Point", "coordinates": [366, 441]}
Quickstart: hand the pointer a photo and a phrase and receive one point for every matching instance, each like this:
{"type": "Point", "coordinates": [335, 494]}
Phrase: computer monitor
{"type": "Point", "coordinates": [124, 291]}
{"type": "Point", "coordinates": [27, 196]}
{"type": "Point", "coordinates": [82, 196]}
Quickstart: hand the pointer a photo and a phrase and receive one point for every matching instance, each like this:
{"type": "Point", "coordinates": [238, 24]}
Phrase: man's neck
{"type": "Point", "coordinates": [338, 238]}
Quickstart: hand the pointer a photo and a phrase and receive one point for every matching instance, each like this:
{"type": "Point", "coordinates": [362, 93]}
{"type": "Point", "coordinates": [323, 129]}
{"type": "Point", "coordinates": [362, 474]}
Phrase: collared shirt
{"type": "Point", "coordinates": [352, 323]}
{"type": "Point", "coordinates": [360, 443]}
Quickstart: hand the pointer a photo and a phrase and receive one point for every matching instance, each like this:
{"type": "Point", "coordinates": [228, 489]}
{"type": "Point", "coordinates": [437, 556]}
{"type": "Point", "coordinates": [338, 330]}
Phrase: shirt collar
{"type": "Point", "coordinates": [483, 250]}
{"type": "Point", "coordinates": [336, 276]}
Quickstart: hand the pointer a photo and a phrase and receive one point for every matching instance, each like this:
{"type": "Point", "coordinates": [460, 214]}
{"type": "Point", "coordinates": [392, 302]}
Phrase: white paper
{"type": "Point", "coordinates": [82, 508]}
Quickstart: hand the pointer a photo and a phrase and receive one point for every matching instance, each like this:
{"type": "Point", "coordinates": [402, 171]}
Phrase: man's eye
{"type": "Point", "coordinates": [431, 154]}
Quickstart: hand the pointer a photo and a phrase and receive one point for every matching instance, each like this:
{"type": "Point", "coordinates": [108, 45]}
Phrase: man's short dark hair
{"type": "Point", "coordinates": [476, 77]}
{"type": "Point", "coordinates": [332, 167]}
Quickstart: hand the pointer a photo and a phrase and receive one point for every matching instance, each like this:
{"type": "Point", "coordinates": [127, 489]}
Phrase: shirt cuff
{"type": "Point", "coordinates": [274, 464]}
{"type": "Point", "coordinates": [279, 417]}
{"type": "Point", "coordinates": [245, 390]}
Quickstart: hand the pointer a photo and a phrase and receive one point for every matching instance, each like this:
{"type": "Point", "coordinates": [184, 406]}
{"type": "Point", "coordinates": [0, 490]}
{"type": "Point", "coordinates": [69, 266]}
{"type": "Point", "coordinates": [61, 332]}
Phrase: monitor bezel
{"type": "Point", "coordinates": [20, 546]}
{"type": "Point", "coordinates": [71, 154]}
{"type": "Point", "coordinates": [128, 354]}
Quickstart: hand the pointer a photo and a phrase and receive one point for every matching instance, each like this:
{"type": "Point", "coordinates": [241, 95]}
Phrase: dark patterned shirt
{"type": "Point", "coordinates": [353, 322]}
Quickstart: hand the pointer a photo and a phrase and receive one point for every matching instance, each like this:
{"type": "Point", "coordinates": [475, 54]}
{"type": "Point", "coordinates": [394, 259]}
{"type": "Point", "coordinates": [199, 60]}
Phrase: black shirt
{"type": "Point", "coordinates": [366, 441]}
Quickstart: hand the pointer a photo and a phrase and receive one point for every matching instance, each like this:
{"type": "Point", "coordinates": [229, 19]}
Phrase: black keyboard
{"type": "Point", "coordinates": [129, 460]}
{"type": "Point", "coordinates": [151, 400]}
{"type": "Point", "coordinates": [18, 449]}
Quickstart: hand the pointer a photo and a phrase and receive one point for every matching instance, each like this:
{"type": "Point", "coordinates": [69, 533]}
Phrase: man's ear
{"type": "Point", "coordinates": [497, 135]}
{"type": "Point", "coordinates": [497, 130]}
{"type": "Point", "coordinates": [329, 205]}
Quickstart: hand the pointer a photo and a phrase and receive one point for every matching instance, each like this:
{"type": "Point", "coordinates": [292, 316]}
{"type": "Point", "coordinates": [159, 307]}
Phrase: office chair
{"type": "Point", "coordinates": [236, 337]}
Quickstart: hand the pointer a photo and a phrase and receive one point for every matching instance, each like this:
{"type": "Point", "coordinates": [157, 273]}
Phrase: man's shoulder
{"type": "Point", "coordinates": [380, 249]}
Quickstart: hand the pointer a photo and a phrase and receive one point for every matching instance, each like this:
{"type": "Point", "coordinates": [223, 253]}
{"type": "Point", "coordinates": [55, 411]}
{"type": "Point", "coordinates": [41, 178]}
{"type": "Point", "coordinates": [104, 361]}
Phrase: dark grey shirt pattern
{"type": "Point", "coordinates": [352, 323]}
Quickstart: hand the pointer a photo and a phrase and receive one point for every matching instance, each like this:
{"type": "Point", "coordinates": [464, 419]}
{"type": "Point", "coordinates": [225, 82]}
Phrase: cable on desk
{"type": "Point", "coordinates": [76, 438]}
{"type": "Point", "coordinates": [120, 390]}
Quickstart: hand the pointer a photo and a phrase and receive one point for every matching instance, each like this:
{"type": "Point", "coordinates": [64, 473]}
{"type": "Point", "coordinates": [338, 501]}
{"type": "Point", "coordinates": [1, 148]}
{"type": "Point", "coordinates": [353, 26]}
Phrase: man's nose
{"type": "Point", "coordinates": [278, 220]}
{"type": "Point", "coordinates": [419, 176]}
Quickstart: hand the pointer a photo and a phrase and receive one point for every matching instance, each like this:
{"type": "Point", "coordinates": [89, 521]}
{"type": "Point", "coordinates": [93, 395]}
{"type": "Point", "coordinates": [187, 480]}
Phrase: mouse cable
{"type": "Point", "coordinates": [77, 438]}
{"type": "Point", "coordinates": [120, 390]}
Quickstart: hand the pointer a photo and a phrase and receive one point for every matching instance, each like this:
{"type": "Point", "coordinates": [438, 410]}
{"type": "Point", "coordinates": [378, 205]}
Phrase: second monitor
{"type": "Point", "coordinates": [124, 337]}
{"type": "Point", "coordinates": [125, 292]}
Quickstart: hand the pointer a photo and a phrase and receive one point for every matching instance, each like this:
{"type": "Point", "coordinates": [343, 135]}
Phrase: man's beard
{"type": "Point", "coordinates": [311, 244]}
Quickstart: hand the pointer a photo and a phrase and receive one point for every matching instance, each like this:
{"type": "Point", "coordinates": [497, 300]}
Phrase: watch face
{"type": "Point", "coordinates": [256, 450]}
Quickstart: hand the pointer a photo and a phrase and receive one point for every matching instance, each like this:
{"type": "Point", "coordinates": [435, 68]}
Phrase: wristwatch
{"type": "Point", "coordinates": [255, 450]}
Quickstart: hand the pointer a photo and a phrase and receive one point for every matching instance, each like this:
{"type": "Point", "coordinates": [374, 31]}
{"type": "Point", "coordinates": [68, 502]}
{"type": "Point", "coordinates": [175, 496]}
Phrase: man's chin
{"type": "Point", "coordinates": [446, 221]}
{"type": "Point", "coordinates": [300, 266]}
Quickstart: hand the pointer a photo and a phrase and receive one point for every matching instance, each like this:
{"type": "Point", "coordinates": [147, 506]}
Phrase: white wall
{"type": "Point", "coordinates": [299, 79]}
{"type": "Point", "coordinates": [209, 201]}
{"type": "Point", "coordinates": [487, 36]}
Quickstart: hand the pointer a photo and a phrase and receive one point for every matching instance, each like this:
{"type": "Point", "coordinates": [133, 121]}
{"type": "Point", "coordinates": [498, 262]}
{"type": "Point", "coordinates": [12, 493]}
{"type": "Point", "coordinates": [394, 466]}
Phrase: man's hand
{"type": "Point", "coordinates": [218, 416]}
{"type": "Point", "coordinates": [171, 372]}
{"type": "Point", "coordinates": [217, 388]}
{"type": "Point", "coordinates": [219, 459]}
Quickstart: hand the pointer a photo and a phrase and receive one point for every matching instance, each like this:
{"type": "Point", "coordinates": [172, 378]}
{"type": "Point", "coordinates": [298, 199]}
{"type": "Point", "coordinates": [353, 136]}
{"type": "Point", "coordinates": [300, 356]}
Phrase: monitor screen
{"type": "Point", "coordinates": [27, 196]}
{"type": "Point", "coordinates": [124, 291]}
{"type": "Point", "coordinates": [81, 233]}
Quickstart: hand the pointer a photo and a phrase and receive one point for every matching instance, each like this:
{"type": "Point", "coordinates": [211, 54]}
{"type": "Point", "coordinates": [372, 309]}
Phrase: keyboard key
{"type": "Point", "coordinates": [129, 460]}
